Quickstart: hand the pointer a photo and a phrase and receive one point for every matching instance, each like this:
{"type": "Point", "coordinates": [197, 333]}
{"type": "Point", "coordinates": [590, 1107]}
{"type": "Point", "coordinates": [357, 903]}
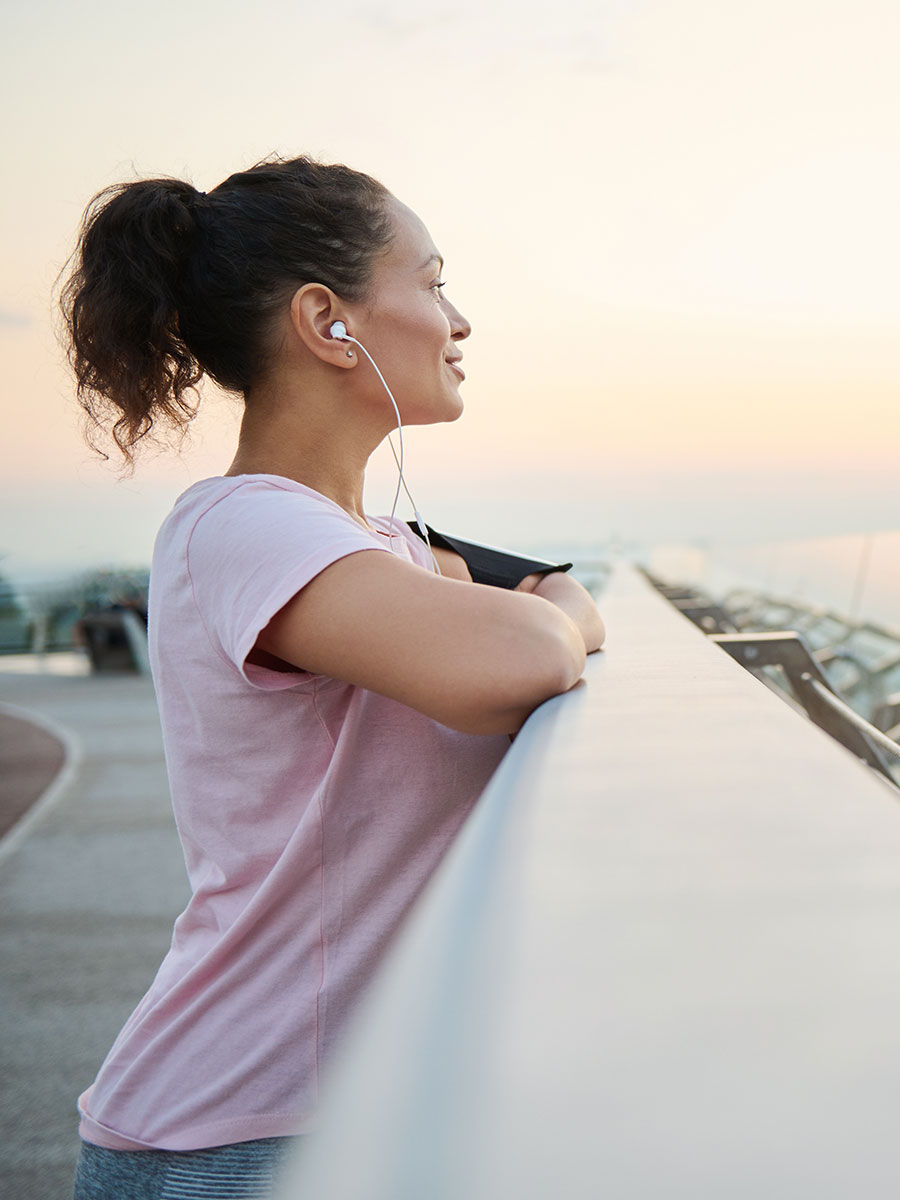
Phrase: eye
{"type": "Point", "coordinates": [436, 288]}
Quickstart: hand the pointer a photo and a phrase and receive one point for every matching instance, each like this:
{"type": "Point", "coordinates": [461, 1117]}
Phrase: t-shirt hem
{"type": "Point", "coordinates": [199, 1137]}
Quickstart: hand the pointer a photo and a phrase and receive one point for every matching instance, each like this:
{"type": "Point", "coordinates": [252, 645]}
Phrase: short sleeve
{"type": "Point", "coordinates": [250, 553]}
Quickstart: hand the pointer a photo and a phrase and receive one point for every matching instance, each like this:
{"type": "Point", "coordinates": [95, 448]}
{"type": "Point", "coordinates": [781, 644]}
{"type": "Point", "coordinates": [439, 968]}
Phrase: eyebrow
{"type": "Point", "coordinates": [434, 258]}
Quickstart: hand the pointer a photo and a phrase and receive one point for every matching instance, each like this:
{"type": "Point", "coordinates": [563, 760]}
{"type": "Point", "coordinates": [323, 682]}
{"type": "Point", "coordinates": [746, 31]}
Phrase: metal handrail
{"type": "Point", "coordinates": [849, 714]}
{"type": "Point", "coordinates": [786, 649]}
{"type": "Point", "coordinates": [803, 667]}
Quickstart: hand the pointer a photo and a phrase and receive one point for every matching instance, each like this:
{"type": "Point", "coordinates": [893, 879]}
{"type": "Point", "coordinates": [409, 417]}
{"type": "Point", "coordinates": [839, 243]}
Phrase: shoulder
{"type": "Point", "coordinates": [237, 550]}
{"type": "Point", "coordinates": [240, 509]}
{"type": "Point", "coordinates": [252, 492]}
{"type": "Point", "coordinates": [248, 528]}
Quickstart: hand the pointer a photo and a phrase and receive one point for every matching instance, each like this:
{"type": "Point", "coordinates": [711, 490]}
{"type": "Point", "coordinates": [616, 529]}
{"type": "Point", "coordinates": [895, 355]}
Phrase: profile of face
{"type": "Point", "coordinates": [410, 327]}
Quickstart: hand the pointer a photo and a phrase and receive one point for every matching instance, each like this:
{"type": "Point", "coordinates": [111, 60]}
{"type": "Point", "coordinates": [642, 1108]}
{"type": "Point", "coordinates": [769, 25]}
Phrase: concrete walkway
{"type": "Point", "coordinates": [31, 757]}
{"type": "Point", "coordinates": [90, 883]}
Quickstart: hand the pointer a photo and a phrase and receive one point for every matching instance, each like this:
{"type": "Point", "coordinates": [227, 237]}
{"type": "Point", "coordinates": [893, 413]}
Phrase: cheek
{"type": "Point", "coordinates": [424, 343]}
{"type": "Point", "coordinates": [420, 324]}
{"type": "Point", "coordinates": [413, 335]}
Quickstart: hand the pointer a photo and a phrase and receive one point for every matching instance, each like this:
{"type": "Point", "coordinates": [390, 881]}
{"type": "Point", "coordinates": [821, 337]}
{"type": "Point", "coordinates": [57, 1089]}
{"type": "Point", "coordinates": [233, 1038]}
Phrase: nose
{"type": "Point", "coordinates": [459, 326]}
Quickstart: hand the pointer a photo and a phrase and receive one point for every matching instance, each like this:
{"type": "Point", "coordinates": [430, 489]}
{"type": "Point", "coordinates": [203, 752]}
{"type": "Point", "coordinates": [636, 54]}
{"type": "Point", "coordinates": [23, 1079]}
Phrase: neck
{"type": "Point", "coordinates": [299, 438]}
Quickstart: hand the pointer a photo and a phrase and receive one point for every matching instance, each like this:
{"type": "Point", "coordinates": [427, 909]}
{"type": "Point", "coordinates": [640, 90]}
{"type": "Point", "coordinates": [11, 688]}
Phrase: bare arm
{"type": "Point", "coordinates": [557, 587]}
{"type": "Point", "coordinates": [574, 600]}
{"type": "Point", "coordinates": [478, 659]}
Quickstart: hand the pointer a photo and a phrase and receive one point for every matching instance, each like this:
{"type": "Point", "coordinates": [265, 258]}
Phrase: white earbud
{"type": "Point", "coordinates": [338, 330]}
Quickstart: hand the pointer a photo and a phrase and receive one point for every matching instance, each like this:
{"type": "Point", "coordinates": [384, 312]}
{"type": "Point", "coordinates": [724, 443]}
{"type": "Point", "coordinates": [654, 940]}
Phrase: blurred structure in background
{"type": "Point", "coordinates": [97, 619]}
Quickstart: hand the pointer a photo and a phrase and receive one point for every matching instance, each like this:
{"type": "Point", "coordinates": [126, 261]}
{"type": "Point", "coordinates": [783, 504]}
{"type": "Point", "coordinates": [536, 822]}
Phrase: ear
{"type": "Point", "coordinates": [314, 309]}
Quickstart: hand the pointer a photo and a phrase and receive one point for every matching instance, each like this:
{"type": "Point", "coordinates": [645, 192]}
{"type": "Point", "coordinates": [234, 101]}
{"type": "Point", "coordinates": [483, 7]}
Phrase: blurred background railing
{"type": "Point", "coordinates": [843, 673]}
{"type": "Point", "coordinates": [101, 615]}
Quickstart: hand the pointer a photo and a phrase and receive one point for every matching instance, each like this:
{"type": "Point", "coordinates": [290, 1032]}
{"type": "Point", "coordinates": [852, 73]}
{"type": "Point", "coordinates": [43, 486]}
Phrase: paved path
{"type": "Point", "coordinates": [30, 759]}
{"type": "Point", "coordinates": [89, 887]}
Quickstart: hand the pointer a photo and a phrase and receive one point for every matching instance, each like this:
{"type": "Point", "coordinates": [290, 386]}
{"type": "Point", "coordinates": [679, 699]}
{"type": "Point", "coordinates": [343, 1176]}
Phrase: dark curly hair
{"type": "Point", "coordinates": [167, 283]}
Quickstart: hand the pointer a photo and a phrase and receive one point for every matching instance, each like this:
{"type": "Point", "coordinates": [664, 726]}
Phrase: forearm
{"type": "Point", "coordinates": [557, 587]}
{"type": "Point", "coordinates": [574, 600]}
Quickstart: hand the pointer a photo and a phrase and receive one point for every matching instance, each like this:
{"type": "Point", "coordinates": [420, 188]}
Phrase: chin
{"type": "Point", "coordinates": [449, 410]}
{"type": "Point", "coordinates": [458, 406]}
{"type": "Point", "coordinates": [452, 415]}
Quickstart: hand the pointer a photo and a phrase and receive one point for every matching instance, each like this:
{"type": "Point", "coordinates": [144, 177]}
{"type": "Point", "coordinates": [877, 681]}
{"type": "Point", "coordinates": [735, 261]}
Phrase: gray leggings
{"type": "Point", "coordinates": [241, 1171]}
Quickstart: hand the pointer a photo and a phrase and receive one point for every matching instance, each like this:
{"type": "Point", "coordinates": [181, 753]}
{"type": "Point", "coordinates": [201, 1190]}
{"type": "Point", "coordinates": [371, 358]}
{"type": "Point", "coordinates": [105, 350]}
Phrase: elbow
{"type": "Point", "coordinates": [552, 664]}
{"type": "Point", "coordinates": [568, 659]}
{"type": "Point", "coordinates": [599, 640]}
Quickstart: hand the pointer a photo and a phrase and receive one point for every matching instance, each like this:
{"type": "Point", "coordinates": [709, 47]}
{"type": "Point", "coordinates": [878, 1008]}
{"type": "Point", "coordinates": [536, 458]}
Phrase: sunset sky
{"type": "Point", "coordinates": [673, 226]}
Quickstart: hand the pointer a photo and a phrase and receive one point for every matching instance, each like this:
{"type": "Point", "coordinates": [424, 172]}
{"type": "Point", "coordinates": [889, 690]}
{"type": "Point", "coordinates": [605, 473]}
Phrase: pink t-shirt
{"type": "Point", "coordinates": [311, 813]}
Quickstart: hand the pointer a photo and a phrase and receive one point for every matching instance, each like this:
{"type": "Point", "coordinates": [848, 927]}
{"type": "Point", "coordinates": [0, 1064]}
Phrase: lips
{"type": "Point", "coordinates": [454, 363]}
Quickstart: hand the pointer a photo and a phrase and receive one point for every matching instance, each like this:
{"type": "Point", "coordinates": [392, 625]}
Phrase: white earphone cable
{"type": "Point", "coordinates": [399, 461]}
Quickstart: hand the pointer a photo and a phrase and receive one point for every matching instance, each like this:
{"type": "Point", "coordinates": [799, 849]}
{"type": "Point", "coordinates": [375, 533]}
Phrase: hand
{"type": "Point", "coordinates": [451, 564]}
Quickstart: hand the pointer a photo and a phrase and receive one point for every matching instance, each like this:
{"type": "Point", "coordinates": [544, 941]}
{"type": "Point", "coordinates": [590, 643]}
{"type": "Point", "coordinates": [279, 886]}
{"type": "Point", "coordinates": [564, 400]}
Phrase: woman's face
{"type": "Point", "coordinates": [410, 327]}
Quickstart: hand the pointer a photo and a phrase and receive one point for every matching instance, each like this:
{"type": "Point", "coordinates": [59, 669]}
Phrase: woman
{"type": "Point", "coordinates": [333, 696]}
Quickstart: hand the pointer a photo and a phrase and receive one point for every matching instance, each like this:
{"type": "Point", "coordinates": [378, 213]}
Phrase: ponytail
{"type": "Point", "coordinates": [121, 304]}
{"type": "Point", "coordinates": [168, 284]}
